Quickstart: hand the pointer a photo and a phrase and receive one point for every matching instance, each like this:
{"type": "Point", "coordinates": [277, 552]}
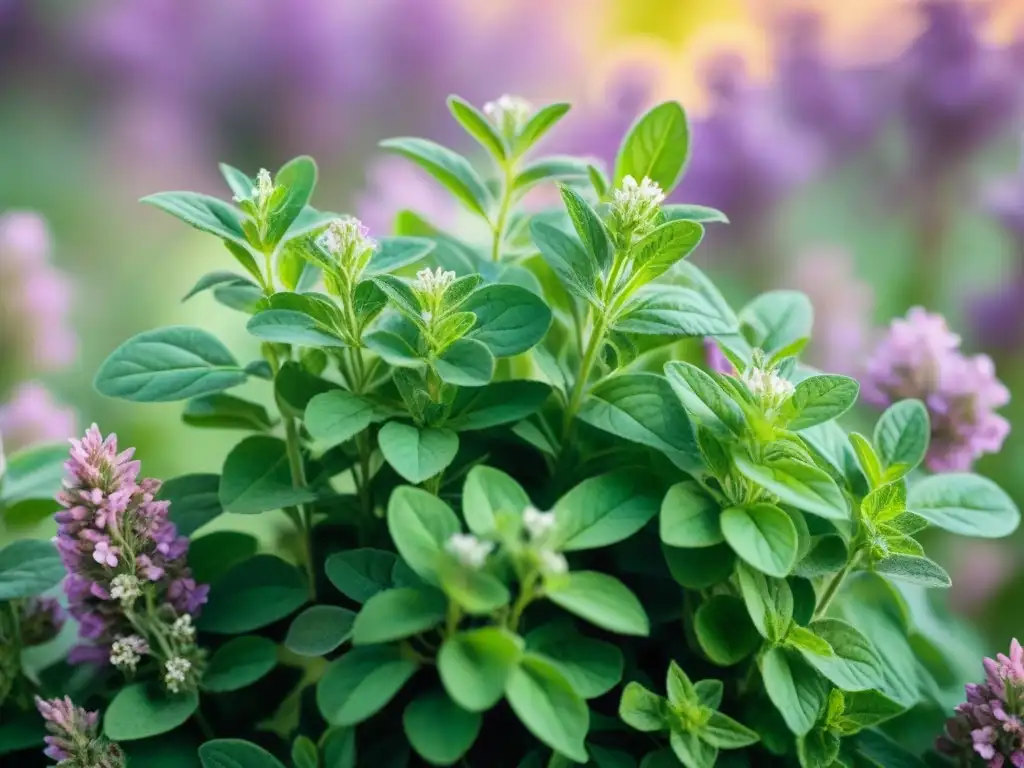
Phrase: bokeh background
{"type": "Point", "coordinates": [866, 152]}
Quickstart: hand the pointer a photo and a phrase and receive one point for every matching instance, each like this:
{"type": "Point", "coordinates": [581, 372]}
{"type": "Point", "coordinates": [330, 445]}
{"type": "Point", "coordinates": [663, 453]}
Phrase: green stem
{"type": "Point", "coordinates": [503, 210]}
{"type": "Point", "coordinates": [204, 725]}
{"type": "Point", "coordinates": [298, 472]}
{"type": "Point", "coordinates": [454, 616]}
{"type": "Point", "coordinates": [526, 596]}
{"type": "Point", "coordinates": [586, 366]}
{"type": "Point", "coordinates": [833, 588]}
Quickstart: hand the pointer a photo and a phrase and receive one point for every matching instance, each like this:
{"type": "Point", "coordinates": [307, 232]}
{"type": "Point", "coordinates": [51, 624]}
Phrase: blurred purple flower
{"type": "Point", "coordinates": [746, 156]}
{"type": "Point", "coordinates": [34, 298]}
{"type": "Point", "coordinates": [978, 569]}
{"type": "Point", "coordinates": [41, 620]}
{"type": "Point", "coordinates": [921, 358]}
{"type": "Point", "coordinates": [997, 317]}
{"type": "Point", "coordinates": [842, 308]}
{"type": "Point", "coordinates": [957, 91]}
{"type": "Point", "coordinates": [989, 724]}
{"type": "Point", "coordinates": [1003, 199]}
{"type": "Point", "coordinates": [74, 740]}
{"type": "Point", "coordinates": [715, 359]}
{"type": "Point", "coordinates": [32, 416]}
{"type": "Point", "coordinates": [395, 184]}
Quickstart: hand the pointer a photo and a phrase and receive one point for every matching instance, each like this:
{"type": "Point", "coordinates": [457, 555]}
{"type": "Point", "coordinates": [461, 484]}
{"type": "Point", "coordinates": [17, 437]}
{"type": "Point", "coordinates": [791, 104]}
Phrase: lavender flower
{"type": "Point", "coordinates": [119, 547]}
{"type": "Point", "coordinates": [715, 359]}
{"type": "Point", "coordinates": [32, 416]}
{"type": "Point", "coordinates": [921, 358]}
{"type": "Point", "coordinates": [41, 620]}
{"type": "Point", "coordinates": [394, 184]}
{"type": "Point", "coordinates": [34, 298]}
{"type": "Point", "coordinates": [989, 725]}
{"type": "Point", "coordinates": [74, 740]}
{"type": "Point", "coordinates": [842, 308]}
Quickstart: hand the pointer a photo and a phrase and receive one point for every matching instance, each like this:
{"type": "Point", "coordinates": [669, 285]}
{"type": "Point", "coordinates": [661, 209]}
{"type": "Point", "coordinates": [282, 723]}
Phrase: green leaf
{"type": "Point", "coordinates": [359, 574]}
{"type": "Point", "coordinates": [33, 474]}
{"type": "Point", "coordinates": [359, 684]}
{"type": "Point", "coordinates": [657, 251]}
{"type": "Point", "coordinates": [541, 122]}
{"type": "Point", "coordinates": [560, 167]}
{"type": "Point", "coordinates": [591, 666]}
{"type": "Point", "coordinates": [140, 710]}
{"type": "Point", "coordinates": [295, 387]}
{"type": "Point", "coordinates": [240, 184]}
{"type": "Point", "coordinates": [417, 453]}
{"type": "Point", "coordinates": [393, 348]}
{"type": "Point", "coordinates": [602, 600]}
{"type": "Point", "coordinates": [256, 478]}
{"type": "Point", "coordinates": [867, 460]}
{"type": "Point", "coordinates": [817, 749]}
{"type": "Point", "coordinates": [914, 569]}
{"type": "Point", "coordinates": [642, 710]}
{"type": "Point", "coordinates": [641, 408]}
{"type": "Point", "coordinates": [901, 436]}
{"type": "Point", "coordinates": [479, 127]}
{"type": "Point", "coordinates": [236, 753]}
{"type": "Point", "coordinates": [466, 363]}
{"type": "Point", "coordinates": [212, 555]}
{"type": "Point", "coordinates": [964, 503]}
{"type": "Point", "coordinates": [501, 402]}
{"type": "Point", "coordinates": [337, 416]}
{"type": "Point", "coordinates": [575, 267]}
{"type": "Point", "coordinates": [194, 501]}
{"type": "Point", "coordinates": [588, 226]}
{"type": "Point", "coordinates": [817, 399]}
{"type": "Point", "coordinates": [398, 613]}
{"type": "Point", "coordinates": [885, 503]}
{"type": "Point", "coordinates": [699, 568]}
{"type": "Point", "coordinates": [475, 664]}
{"type": "Point", "coordinates": [298, 177]}
{"type": "Point", "coordinates": [803, 639]}
{"type": "Point", "coordinates": [305, 753]}
{"type": "Point", "coordinates": [238, 663]}
{"type": "Point", "coordinates": [29, 567]}
{"type": "Point", "coordinates": [420, 525]}
{"type": "Point", "coordinates": [509, 319]}
{"type": "Point", "coordinates": [393, 253]}
{"type": "Point", "coordinates": [725, 733]}
{"type": "Point", "coordinates": [865, 709]}
{"type": "Point", "coordinates": [288, 326]}
{"type": "Point", "coordinates": [689, 517]}
{"type": "Point", "coordinates": [795, 688]}
{"type": "Point", "coordinates": [213, 279]}
{"type": "Point", "coordinates": [709, 692]}
{"type": "Point", "coordinates": [691, 751]}
{"type": "Point", "coordinates": [769, 602]}
{"type": "Point", "coordinates": [724, 631]}
{"type": "Point", "coordinates": [253, 594]}
{"type": "Point", "coordinates": [855, 665]}
{"type": "Point", "coordinates": [763, 535]}
{"type": "Point", "coordinates": [319, 629]}
{"type": "Point", "coordinates": [798, 484]}
{"type": "Point", "coordinates": [221, 411]}
{"type": "Point", "coordinates": [449, 168]}
{"type": "Point", "coordinates": [777, 319]}
{"type": "Point", "coordinates": [202, 212]}
{"type": "Point", "coordinates": [488, 494]}
{"type": "Point", "coordinates": [702, 397]}
{"type": "Point", "coordinates": [546, 704]}
{"type": "Point", "coordinates": [606, 509]}
{"type": "Point", "coordinates": [672, 310]}
{"type": "Point", "coordinates": [690, 212]}
{"type": "Point", "coordinates": [165, 364]}
{"type": "Point", "coordinates": [657, 146]}
{"type": "Point", "coordinates": [439, 730]}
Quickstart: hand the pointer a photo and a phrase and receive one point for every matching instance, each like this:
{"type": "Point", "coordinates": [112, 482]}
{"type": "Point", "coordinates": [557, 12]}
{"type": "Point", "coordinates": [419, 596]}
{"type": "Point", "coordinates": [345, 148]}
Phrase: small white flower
{"type": "Point", "coordinates": [433, 283]}
{"type": "Point", "coordinates": [427, 316]}
{"type": "Point", "coordinates": [176, 673]}
{"type": "Point", "coordinates": [126, 652]}
{"type": "Point", "coordinates": [553, 563]}
{"type": "Point", "coordinates": [347, 239]}
{"type": "Point", "coordinates": [264, 187]}
{"type": "Point", "coordinates": [469, 550]}
{"type": "Point", "coordinates": [538, 524]}
{"type": "Point", "coordinates": [126, 588]}
{"type": "Point", "coordinates": [770, 388]}
{"type": "Point", "coordinates": [183, 630]}
{"type": "Point", "coordinates": [634, 205]}
{"type": "Point", "coordinates": [509, 113]}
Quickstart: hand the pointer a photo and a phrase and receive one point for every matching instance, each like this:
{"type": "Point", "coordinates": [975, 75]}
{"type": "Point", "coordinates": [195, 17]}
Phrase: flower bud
{"type": "Point", "coordinates": [510, 114]}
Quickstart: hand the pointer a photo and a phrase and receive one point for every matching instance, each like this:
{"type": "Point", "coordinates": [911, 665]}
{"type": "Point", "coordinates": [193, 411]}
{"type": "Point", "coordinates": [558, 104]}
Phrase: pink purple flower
{"type": "Point", "coordinates": [715, 359]}
{"type": "Point", "coordinates": [74, 740]}
{"type": "Point", "coordinates": [127, 569]}
{"type": "Point", "coordinates": [988, 726]}
{"type": "Point", "coordinates": [920, 358]}
{"type": "Point", "coordinates": [394, 184]}
{"type": "Point", "coordinates": [32, 416]}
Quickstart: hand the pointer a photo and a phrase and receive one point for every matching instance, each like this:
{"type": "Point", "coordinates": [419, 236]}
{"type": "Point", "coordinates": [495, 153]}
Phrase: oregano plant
{"type": "Point", "coordinates": [537, 529]}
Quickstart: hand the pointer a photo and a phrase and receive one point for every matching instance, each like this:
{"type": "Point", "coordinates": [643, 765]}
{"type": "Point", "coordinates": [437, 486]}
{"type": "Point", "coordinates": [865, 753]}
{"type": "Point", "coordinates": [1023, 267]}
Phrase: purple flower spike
{"type": "Point", "coordinates": [988, 725]}
{"type": "Point", "coordinates": [73, 740]}
{"type": "Point", "coordinates": [921, 358]}
{"type": "Point", "coordinates": [32, 416]}
{"type": "Point", "coordinates": [119, 547]}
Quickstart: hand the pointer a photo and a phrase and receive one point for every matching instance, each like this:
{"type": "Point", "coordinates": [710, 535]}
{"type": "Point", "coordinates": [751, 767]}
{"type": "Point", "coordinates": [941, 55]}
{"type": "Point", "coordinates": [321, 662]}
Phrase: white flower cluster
{"type": "Point", "coordinates": [538, 526]}
{"type": "Point", "coordinates": [768, 387]}
{"type": "Point", "coordinates": [634, 206]}
{"type": "Point", "coordinates": [127, 652]}
{"type": "Point", "coordinates": [469, 550]}
{"type": "Point", "coordinates": [126, 588]}
{"type": "Point", "coordinates": [509, 113]}
{"type": "Point", "coordinates": [346, 238]}
{"type": "Point", "coordinates": [176, 673]}
{"type": "Point", "coordinates": [553, 563]}
{"type": "Point", "coordinates": [183, 630]}
{"type": "Point", "coordinates": [435, 283]}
